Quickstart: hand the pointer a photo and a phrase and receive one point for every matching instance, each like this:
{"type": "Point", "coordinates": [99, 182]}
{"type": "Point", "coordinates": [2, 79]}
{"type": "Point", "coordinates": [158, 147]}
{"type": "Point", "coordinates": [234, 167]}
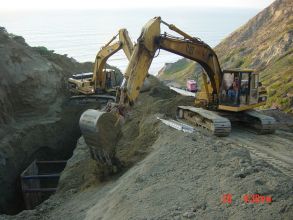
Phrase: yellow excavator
{"type": "Point", "coordinates": [229, 95]}
{"type": "Point", "coordinates": [98, 84]}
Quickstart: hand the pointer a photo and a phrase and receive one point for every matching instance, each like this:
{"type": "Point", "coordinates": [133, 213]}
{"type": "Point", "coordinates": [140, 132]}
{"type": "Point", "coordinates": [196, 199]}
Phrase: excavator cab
{"type": "Point", "coordinates": [83, 83]}
{"type": "Point", "coordinates": [240, 90]}
{"type": "Point", "coordinates": [110, 79]}
{"type": "Point", "coordinates": [78, 85]}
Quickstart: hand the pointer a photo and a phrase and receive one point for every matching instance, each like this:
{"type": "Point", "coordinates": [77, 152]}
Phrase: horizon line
{"type": "Point", "coordinates": [131, 8]}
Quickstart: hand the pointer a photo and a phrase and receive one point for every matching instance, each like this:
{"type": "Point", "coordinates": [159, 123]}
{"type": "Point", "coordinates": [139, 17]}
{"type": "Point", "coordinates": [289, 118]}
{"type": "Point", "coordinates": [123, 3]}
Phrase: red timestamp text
{"type": "Point", "coordinates": [247, 198]}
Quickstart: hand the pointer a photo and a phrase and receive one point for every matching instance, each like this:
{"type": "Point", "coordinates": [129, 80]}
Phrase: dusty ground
{"type": "Point", "coordinates": [184, 175]}
{"type": "Point", "coordinates": [275, 149]}
{"type": "Point", "coordinates": [167, 174]}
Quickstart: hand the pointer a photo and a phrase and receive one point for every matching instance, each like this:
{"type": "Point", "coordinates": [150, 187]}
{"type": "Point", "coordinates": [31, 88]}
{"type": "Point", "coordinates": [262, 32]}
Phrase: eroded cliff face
{"type": "Point", "coordinates": [36, 120]}
{"type": "Point", "coordinates": [28, 81]}
{"type": "Point", "coordinates": [264, 38]}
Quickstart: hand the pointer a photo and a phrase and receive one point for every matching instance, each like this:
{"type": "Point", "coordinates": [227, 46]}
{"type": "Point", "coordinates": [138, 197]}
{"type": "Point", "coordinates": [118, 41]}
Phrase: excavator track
{"type": "Point", "coordinates": [260, 123]}
{"type": "Point", "coordinates": [262, 147]}
{"type": "Point", "coordinates": [102, 99]}
{"type": "Point", "coordinates": [218, 125]}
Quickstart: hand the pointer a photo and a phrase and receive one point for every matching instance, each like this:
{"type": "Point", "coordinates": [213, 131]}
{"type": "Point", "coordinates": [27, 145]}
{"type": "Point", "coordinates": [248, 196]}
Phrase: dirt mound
{"type": "Point", "coordinates": [140, 130]}
{"type": "Point", "coordinates": [162, 92]}
{"type": "Point", "coordinates": [138, 133]}
{"type": "Point", "coordinates": [168, 174]}
{"type": "Point", "coordinates": [185, 176]}
{"type": "Point", "coordinates": [81, 170]}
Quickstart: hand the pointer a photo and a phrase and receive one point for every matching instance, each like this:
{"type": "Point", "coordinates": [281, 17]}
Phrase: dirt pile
{"type": "Point", "coordinates": [81, 170]}
{"type": "Point", "coordinates": [168, 174]}
{"type": "Point", "coordinates": [137, 136]}
{"type": "Point", "coordinates": [140, 129]}
{"type": "Point", "coordinates": [185, 177]}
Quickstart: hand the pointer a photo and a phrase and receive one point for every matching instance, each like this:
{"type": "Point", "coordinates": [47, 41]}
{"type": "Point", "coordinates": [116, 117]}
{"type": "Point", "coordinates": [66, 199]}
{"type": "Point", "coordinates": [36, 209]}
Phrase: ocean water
{"type": "Point", "coordinates": [80, 34]}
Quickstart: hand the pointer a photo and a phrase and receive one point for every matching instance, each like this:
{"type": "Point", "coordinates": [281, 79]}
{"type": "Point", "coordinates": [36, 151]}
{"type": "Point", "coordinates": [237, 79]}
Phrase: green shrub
{"type": "Point", "coordinates": [177, 66]}
{"type": "Point", "coordinates": [238, 63]}
{"type": "Point", "coordinates": [43, 51]}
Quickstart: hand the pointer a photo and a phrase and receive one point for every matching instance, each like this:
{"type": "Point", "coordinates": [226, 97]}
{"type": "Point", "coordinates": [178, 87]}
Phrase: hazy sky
{"type": "Point", "coordinates": [103, 4]}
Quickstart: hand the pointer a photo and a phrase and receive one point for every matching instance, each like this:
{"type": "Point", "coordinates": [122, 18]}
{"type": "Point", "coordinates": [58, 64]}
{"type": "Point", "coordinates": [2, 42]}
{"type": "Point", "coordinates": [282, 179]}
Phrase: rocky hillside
{"type": "Point", "coordinates": [264, 43]}
{"type": "Point", "coordinates": [180, 71]}
{"type": "Point", "coordinates": [31, 77]}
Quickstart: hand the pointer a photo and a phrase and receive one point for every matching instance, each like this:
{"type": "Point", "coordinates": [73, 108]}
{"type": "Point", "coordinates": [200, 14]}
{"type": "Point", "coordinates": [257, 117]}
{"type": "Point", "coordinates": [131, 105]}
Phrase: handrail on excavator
{"type": "Point", "coordinates": [177, 30]}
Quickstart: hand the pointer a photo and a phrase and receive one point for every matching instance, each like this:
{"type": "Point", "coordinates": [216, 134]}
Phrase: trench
{"type": "Point", "coordinates": [63, 151]}
{"type": "Point", "coordinates": [43, 154]}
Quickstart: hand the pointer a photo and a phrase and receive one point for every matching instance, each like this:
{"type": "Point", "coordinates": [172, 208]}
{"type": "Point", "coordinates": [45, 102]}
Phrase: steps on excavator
{"type": "Point", "coordinates": [177, 125]}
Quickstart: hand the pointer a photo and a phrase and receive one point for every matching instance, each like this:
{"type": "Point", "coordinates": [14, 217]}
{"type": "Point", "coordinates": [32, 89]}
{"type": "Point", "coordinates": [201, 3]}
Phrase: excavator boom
{"type": "Point", "coordinates": [107, 51]}
{"type": "Point", "coordinates": [151, 40]}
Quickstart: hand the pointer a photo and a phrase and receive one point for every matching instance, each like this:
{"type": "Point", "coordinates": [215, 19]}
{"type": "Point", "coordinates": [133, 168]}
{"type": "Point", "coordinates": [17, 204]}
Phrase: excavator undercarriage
{"type": "Point", "coordinates": [219, 122]}
{"type": "Point", "coordinates": [209, 120]}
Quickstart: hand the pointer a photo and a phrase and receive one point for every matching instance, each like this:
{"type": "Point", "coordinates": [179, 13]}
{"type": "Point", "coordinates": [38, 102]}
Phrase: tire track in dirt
{"type": "Point", "coordinates": [276, 149]}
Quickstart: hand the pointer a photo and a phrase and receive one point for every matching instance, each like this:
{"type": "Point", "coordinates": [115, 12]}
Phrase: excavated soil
{"type": "Point", "coordinates": [167, 174]}
{"type": "Point", "coordinates": [138, 134]}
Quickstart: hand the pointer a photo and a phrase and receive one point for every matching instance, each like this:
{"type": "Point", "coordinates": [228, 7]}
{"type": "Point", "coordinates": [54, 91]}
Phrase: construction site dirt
{"type": "Point", "coordinates": [164, 173]}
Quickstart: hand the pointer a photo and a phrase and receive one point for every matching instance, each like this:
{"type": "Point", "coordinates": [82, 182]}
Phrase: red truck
{"type": "Point", "coordinates": [191, 86]}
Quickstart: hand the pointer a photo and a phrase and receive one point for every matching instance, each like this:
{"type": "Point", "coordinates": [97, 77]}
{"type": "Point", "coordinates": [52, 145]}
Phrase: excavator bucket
{"type": "Point", "coordinates": [101, 132]}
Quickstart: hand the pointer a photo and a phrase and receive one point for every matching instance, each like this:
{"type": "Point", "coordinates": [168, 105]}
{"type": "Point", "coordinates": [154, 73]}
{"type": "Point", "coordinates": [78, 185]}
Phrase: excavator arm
{"type": "Point", "coordinates": [107, 51]}
{"type": "Point", "coordinates": [151, 40]}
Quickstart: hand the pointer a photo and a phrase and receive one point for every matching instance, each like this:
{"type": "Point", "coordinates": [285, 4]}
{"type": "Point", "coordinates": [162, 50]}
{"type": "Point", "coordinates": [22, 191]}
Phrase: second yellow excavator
{"type": "Point", "coordinates": [97, 83]}
{"type": "Point", "coordinates": [229, 95]}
